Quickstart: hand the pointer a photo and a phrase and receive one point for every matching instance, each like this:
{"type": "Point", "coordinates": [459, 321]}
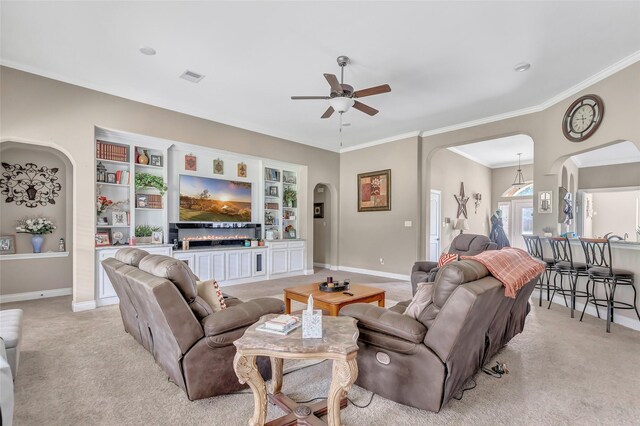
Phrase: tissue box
{"type": "Point", "coordinates": [312, 324]}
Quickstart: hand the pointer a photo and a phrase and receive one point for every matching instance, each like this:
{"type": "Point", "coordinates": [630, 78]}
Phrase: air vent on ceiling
{"type": "Point", "coordinates": [192, 76]}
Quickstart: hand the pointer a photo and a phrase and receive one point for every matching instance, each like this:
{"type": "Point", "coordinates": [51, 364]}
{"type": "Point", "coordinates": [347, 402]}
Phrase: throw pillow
{"type": "Point", "coordinates": [446, 258]}
{"type": "Point", "coordinates": [211, 294]}
{"type": "Point", "coordinates": [422, 299]}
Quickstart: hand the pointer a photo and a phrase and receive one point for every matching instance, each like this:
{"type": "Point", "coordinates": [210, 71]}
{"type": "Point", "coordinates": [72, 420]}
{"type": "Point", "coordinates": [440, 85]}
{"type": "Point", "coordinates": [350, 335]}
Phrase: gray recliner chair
{"type": "Point", "coordinates": [463, 244]}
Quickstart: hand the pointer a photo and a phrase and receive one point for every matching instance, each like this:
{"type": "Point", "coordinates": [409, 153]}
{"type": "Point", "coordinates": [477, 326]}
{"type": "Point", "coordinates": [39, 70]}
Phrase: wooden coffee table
{"type": "Point", "coordinates": [332, 302]}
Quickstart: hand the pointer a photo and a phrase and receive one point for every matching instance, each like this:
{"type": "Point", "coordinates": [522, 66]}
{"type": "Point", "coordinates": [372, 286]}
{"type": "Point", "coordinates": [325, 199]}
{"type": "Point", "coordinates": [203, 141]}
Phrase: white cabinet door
{"type": "Point", "coordinates": [233, 265]}
{"type": "Point", "coordinates": [203, 266]}
{"type": "Point", "coordinates": [296, 259]}
{"type": "Point", "coordinates": [188, 258]}
{"type": "Point", "coordinates": [217, 260]}
{"type": "Point", "coordinates": [105, 288]}
{"type": "Point", "coordinates": [278, 261]}
{"type": "Point", "coordinates": [245, 264]}
{"type": "Point", "coordinates": [259, 263]}
{"type": "Point", "coordinates": [166, 251]}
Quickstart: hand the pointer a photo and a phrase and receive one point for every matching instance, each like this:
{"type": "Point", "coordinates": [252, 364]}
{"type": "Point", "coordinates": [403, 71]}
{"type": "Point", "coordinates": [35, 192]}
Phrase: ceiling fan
{"type": "Point", "coordinates": [342, 96]}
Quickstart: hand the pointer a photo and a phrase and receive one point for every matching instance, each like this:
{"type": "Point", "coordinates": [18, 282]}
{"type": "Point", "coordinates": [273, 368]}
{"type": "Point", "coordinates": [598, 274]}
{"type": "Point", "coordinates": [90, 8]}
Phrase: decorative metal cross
{"type": "Point", "coordinates": [462, 202]}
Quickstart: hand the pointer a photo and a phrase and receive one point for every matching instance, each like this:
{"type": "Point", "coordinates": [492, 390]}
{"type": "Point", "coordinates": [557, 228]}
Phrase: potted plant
{"type": "Point", "coordinates": [147, 180]}
{"type": "Point", "coordinates": [144, 233]}
{"type": "Point", "coordinates": [289, 195]}
{"type": "Point", "coordinates": [37, 228]}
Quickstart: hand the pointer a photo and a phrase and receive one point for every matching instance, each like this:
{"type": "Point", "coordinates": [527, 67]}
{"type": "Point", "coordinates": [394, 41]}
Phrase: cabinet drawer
{"type": "Point", "coordinates": [278, 245]}
{"type": "Point", "coordinates": [296, 244]}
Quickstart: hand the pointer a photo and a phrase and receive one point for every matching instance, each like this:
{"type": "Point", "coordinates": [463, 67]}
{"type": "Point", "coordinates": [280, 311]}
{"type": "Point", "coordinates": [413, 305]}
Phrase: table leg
{"type": "Point", "coordinates": [344, 374]}
{"type": "Point", "coordinates": [247, 372]}
{"type": "Point", "coordinates": [287, 304]}
{"type": "Point", "coordinates": [381, 302]}
{"type": "Point", "coordinates": [276, 376]}
{"type": "Point", "coordinates": [334, 310]}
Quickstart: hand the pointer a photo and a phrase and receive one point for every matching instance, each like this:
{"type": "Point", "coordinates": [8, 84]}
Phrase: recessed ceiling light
{"type": "Point", "coordinates": [522, 67]}
{"type": "Point", "coordinates": [149, 51]}
{"type": "Point", "coordinates": [192, 76]}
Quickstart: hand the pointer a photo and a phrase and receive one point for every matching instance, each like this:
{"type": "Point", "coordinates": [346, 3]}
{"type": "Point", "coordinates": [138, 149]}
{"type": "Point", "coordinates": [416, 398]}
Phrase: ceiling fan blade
{"type": "Point", "coordinates": [384, 88]}
{"type": "Point", "coordinates": [328, 112]}
{"type": "Point", "coordinates": [334, 83]}
{"type": "Point", "coordinates": [365, 108]}
{"type": "Point", "coordinates": [297, 98]}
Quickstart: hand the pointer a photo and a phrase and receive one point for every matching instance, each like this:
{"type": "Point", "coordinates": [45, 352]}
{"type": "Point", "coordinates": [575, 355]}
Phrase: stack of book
{"type": "Point", "coordinates": [282, 324]}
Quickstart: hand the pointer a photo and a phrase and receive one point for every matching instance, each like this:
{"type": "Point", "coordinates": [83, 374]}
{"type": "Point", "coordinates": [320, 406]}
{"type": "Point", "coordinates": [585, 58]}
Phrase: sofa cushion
{"type": "Point", "coordinates": [454, 274]}
{"type": "Point", "coordinates": [422, 298]}
{"type": "Point", "coordinates": [470, 244]}
{"type": "Point", "coordinates": [210, 292]}
{"type": "Point", "coordinates": [175, 271]}
{"type": "Point", "coordinates": [385, 321]}
{"type": "Point", "coordinates": [131, 256]}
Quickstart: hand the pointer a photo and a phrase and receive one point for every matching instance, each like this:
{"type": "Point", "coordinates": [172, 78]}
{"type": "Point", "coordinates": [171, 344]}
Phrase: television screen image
{"type": "Point", "coordinates": [214, 200]}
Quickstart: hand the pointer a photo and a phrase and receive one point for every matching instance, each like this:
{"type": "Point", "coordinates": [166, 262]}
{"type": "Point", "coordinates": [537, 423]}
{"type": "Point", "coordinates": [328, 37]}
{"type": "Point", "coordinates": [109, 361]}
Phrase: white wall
{"type": "Point", "coordinates": [617, 212]}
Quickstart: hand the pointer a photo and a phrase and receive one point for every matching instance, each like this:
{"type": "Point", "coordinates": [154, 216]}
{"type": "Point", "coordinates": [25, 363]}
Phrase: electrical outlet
{"type": "Point", "coordinates": [382, 261]}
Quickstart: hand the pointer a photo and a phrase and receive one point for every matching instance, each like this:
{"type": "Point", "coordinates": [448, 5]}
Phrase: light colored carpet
{"type": "Point", "coordinates": [81, 369]}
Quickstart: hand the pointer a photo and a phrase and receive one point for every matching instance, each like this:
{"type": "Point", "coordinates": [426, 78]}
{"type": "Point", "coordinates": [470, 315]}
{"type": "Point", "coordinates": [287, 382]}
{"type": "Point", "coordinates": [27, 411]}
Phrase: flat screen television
{"type": "Point", "coordinates": [205, 199]}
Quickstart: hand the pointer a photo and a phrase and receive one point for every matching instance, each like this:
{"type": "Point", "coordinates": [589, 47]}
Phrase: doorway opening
{"type": "Point", "coordinates": [324, 227]}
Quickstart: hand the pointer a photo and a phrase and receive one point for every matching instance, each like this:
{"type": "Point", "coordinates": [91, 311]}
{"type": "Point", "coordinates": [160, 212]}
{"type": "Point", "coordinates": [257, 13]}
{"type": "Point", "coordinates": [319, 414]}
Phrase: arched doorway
{"type": "Point", "coordinates": [325, 227]}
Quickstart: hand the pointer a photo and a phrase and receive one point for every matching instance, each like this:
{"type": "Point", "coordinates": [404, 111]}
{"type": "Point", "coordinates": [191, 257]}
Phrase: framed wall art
{"type": "Point", "coordinates": [242, 170]}
{"type": "Point", "coordinates": [218, 167]}
{"type": "Point", "coordinates": [156, 160]}
{"type": "Point", "coordinates": [190, 163]}
{"type": "Point", "coordinates": [318, 210]}
{"type": "Point", "coordinates": [374, 191]}
{"type": "Point", "coordinates": [102, 239]}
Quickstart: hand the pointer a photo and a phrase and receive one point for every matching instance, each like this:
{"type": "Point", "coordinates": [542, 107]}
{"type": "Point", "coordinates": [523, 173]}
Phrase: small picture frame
{"type": "Point", "coordinates": [156, 237]}
{"type": "Point", "coordinates": [156, 160]}
{"type": "Point", "coordinates": [117, 237]}
{"type": "Point", "coordinates": [119, 218]}
{"type": "Point", "coordinates": [7, 244]}
{"type": "Point", "coordinates": [103, 221]}
{"type": "Point", "coordinates": [102, 239]}
{"type": "Point", "coordinates": [218, 167]}
{"type": "Point", "coordinates": [142, 201]}
{"type": "Point", "coordinates": [273, 191]}
{"type": "Point", "coordinates": [190, 163]}
{"type": "Point", "coordinates": [318, 210]}
{"type": "Point", "coordinates": [111, 178]}
{"type": "Point", "coordinates": [242, 170]}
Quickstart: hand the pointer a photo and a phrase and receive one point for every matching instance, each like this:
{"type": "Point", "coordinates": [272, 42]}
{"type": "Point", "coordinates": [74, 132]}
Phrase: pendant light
{"type": "Point", "coordinates": [519, 180]}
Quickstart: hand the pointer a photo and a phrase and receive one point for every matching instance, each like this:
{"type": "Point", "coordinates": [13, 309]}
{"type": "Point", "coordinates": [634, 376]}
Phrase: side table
{"type": "Point", "coordinates": [339, 344]}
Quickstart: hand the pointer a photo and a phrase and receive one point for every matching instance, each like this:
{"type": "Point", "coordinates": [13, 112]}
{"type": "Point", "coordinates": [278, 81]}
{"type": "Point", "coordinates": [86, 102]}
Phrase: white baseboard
{"type": "Point", "coordinates": [628, 322]}
{"type": "Point", "coordinates": [399, 277]}
{"type": "Point", "coordinates": [18, 297]}
{"type": "Point", "coordinates": [83, 306]}
{"type": "Point", "coordinates": [106, 301]}
{"type": "Point", "coordinates": [309, 272]}
{"type": "Point", "coordinates": [325, 266]}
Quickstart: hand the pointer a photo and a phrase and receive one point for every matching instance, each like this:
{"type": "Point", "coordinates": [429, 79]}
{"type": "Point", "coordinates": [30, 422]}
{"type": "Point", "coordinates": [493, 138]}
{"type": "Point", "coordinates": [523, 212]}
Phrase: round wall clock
{"type": "Point", "coordinates": [583, 117]}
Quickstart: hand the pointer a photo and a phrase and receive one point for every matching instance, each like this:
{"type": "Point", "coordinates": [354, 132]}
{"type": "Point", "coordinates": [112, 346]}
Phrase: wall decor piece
{"type": "Point", "coordinates": [29, 185]}
{"type": "Point", "coordinates": [273, 191]}
{"type": "Point", "coordinates": [102, 239]}
{"type": "Point", "coordinates": [218, 167]}
{"type": "Point", "coordinates": [7, 244]}
{"type": "Point", "coordinates": [111, 178]}
{"type": "Point", "coordinates": [544, 202]}
{"type": "Point", "coordinates": [462, 202]}
{"type": "Point", "coordinates": [156, 160]}
{"type": "Point", "coordinates": [190, 163]}
{"type": "Point", "coordinates": [142, 201]}
{"type": "Point", "coordinates": [562, 193]}
{"type": "Point", "coordinates": [242, 170]}
{"type": "Point", "coordinates": [117, 237]}
{"type": "Point", "coordinates": [119, 218]}
{"type": "Point", "coordinates": [583, 117]}
{"type": "Point", "coordinates": [318, 210]}
{"type": "Point", "coordinates": [374, 191]}
{"type": "Point", "coordinates": [477, 199]}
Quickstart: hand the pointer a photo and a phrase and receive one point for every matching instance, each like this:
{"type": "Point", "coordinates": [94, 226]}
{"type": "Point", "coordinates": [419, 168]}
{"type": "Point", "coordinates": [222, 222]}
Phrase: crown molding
{"type": "Point", "coordinates": [414, 134]}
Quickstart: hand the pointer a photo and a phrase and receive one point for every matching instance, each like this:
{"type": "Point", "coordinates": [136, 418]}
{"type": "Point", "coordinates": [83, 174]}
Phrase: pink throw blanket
{"type": "Point", "coordinates": [513, 267]}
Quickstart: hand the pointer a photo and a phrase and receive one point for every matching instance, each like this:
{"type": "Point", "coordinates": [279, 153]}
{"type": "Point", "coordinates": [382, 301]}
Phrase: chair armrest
{"type": "Point", "coordinates": [385, 321]}
{"type": "Point", "coordinates": [241, 315]}
{"type": "Point", "coordinates": [424, 266]}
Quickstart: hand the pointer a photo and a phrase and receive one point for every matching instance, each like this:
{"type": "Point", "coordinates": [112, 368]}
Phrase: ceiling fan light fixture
{"type": "Point", "coordinates": [341, 104]}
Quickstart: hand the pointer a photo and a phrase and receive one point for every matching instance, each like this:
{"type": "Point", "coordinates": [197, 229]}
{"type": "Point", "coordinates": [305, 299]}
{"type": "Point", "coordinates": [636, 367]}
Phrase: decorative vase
{"type": "Point", "coordinates": [143, 158]}
{"type": "Point", "coordinates": [36, 242]}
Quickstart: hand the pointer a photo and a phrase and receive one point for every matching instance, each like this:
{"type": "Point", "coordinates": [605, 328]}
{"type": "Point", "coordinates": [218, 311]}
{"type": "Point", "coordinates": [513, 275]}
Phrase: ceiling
{"type": "Point", "coordinates": [502, 152]}
{"type": "Point", "coordinates": [446, 62]}
{"type": "Point", "coordinates": [620, 153]}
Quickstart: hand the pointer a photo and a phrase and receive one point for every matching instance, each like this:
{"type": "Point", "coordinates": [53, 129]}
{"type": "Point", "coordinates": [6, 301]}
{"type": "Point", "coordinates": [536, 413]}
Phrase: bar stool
{"type": "Point", "coordinates": [565, 266]}
{"type": "Point", "coordinates": [597, 252]}
{"type": "Point", "coordinates": [534, 247]}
